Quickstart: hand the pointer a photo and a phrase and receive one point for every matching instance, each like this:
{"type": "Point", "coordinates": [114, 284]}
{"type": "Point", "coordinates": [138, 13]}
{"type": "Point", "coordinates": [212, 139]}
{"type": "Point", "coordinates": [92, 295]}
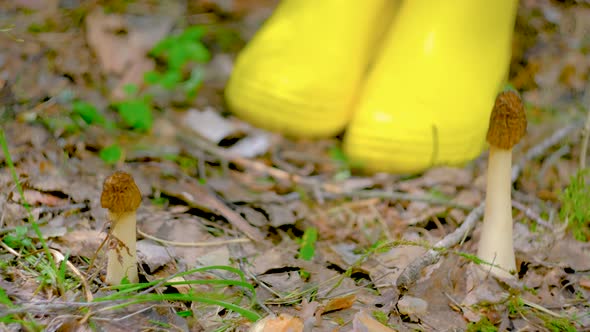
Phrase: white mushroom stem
{"type": "Point", "coordinates": [121, 254]}
{"type": "Point", "coordinates": [495, 243]}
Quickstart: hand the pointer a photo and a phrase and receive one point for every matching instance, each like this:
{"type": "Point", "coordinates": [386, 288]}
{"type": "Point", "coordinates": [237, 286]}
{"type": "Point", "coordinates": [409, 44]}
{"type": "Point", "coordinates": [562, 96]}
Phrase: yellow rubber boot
{"type": "Point", "coordinates": [303, 70]}
{"type": "Point", "coordinates": [429, 96]}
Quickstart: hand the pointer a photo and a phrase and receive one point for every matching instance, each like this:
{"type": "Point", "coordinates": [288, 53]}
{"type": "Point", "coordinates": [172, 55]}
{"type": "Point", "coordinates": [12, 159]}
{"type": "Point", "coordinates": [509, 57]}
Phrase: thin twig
{"type": "Point", "coordinates": [401, 196]}
{"type": "Point", "coordinates": [192, 244]}
{"type": "Point", "coordinates": [585, 138]}
{"type": "Point", "coordinates": [531, 214]}
{"type": "Point", "coordinates": [253, 165]}
{"type": "Point", "coordinates": [540, 149]}
{"type": "Point", "coordinates": [413, 271]}
{"type": "Point", "coordinates": [10, 250]}
{"type": "Point", "coordinates": [59, 257]}
{"type": "Point", "coordinates": [67, 207]}
{"type": "Point", "coordinates": [90, 265]}
{"type": "Point", "coordinates": [45, 306]}
{"type": "Point", "coordinates": [551, 160]}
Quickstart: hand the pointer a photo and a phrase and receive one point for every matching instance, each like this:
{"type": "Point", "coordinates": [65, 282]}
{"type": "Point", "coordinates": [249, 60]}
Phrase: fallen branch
{"type": "Point", "coordinates": [413, 271]}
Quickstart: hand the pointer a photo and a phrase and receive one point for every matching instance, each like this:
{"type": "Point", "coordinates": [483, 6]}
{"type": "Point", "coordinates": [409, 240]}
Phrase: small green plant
{"type": "Point", "coordinates": [135, 110]}
{"type": "Point", "coordinates": [560, 325]}
{"type": "Point", "coordinates": [18, 238]}
{"type": "Point", "coordinates": [575, 200]}
{"type": "Point", "coordinates": [4, 299]}
{"type": "Point", "coordinates": [46, 26]}
{"type": "Point", "coordinates": [483, 325]}
{"type": "Point", "coordinates": [515, 305]}
{"type": "Point", "coordinates": [340, 158]}
{"type": "Point", "coordinates": [176, 53]}
{"type": "Point", "coordinates": [34, 263]}
{"type": "Point", "coordinates": [307, 243]}
{"type": "Point", "coordinates": [111, 154]}
{"type": "Point", "coordinates": [132, 293]}
{"type": "Point", "coordinates": [160, 201]}
{"type": "Point", "coordinates": [184, 313]}
{"type": "Point", "coordinates": [90, 115]}
{"type": "Point", "coordinates": [380, 316]}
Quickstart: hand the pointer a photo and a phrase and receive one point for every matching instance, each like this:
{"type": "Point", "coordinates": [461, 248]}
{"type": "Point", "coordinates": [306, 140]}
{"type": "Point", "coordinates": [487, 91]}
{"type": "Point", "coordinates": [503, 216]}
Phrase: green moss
{"type": "Point", "coordinates": [484, 325]}
{"type": "Point", "coordinates": [575, 200]}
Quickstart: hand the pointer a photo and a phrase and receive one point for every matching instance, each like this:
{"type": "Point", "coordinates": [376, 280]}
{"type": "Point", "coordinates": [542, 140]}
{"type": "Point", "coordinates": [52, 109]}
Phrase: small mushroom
{"type": "Point", "coordinates": [121, 197]}
{"type": "Point", "coordinates": [507, 126]}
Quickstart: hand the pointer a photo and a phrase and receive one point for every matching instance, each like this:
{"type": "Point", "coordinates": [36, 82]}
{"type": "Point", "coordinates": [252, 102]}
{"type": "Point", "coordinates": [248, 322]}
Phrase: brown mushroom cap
{"type": "Point", "coordinates": [507, 122]}
{"type": "Point", "coordinates": [120, 193]}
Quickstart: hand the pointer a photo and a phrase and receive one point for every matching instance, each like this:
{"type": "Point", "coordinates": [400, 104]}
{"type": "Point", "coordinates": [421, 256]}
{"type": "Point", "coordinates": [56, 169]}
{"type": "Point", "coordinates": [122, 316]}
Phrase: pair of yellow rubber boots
{"type": "Point", "coordinates": [413, 82]}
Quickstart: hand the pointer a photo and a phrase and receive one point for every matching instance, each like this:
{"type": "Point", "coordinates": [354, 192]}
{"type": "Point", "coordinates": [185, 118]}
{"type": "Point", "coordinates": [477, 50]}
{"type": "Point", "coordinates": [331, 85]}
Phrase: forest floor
{"type": "Point", "coordinates": [237, 223]}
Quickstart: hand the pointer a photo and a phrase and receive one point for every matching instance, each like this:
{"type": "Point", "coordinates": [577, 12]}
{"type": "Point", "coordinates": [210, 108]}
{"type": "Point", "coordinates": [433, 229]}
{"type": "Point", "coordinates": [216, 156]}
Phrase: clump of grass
{"type": "Point", "coordinates": [560, 325]}
{"type": "Point", "coordinates": [575, 200]}
{"type": "Point", "coordinates": [483, 325]}
{"type": "Point", "coordinates": [33, 262]}
{"type": "Point", "coordinates": [133, 293]}
{"type": "Point", "coordinates": [307, 244]}
{"type": "Point", "coordinates": [33, 259]}
{"type": "Point", "coordinates": [178, 55]}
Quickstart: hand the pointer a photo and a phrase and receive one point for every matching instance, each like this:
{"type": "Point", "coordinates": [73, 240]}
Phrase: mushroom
{"type": "Point", "coordinates": [121, 197]}
{"type": "Point", "coordinates": [507, 126]}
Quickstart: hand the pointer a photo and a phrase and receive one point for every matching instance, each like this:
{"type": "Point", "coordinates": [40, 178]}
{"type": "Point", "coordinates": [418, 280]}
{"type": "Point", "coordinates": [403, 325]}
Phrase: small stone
{"type": "Point", "coordinates": [409, 305]}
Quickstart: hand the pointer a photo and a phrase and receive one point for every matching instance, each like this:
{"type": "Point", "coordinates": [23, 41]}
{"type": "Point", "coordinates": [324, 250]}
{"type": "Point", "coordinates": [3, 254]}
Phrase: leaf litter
{"type": "Point", "coordinates": [218, 192]}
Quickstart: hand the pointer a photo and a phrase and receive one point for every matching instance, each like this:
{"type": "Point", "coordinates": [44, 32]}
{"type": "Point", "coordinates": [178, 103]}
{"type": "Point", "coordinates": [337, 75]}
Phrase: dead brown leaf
{"type": "Point", "coordinates": [585, 282]}
{"type": "Point", "coordinates": [121, 42]}
{"type": "Point", "coordinates": [196, 195]}
{"type": "Point", "coordinates": [282, 323]}
{"type": "Point", "coordinates": [82, 243]}
{"type": "Point", "coordinates": [35, 197]}
{"type": "Point", "coordinates": [339, 303]}
{"type": "Point", "coordinates": [364, 322]}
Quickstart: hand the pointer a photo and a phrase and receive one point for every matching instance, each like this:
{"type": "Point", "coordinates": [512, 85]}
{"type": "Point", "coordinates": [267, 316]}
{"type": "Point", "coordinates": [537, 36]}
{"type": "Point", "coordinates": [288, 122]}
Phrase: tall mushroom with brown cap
{"type": "Point", "coordinates": [121, 197]}
{"type": "Point", "coordinates": [507, 126]}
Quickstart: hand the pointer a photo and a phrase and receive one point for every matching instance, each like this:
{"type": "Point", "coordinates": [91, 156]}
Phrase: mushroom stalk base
{"type": "Point", "coordinates": [121, 254]}
{"type": "Point", "coordinates": [495, 243]}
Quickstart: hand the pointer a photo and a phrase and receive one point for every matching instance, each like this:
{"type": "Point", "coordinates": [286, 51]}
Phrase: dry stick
{"type": "Point", "coordinates": [413, 271]}
{"type": "Point", "coordinates": [59, 257]}
{"type": "Point", "coordinates": [551, 160]}
{"type": "Point", "coordinates": [401, 196]}
{"type": "Point", "coordinates": [192, 244]}
{"type": "Point", "coordinates": [585, 137]}
{"type": "Point", "coordinates": [531, 214]}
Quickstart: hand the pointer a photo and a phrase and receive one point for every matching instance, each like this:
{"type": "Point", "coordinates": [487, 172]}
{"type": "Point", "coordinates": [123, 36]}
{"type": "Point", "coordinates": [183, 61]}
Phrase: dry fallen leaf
{"type": "Point", "coordinates": [283, 323]}
{"type": "Point", "coordinates": [308, 314]}
{"type": "Point", "coordinates": [457, 177]}
{"type": "Point", "coordinates": [410, 305]}
{"type": "Point", "coordinates": [199, 196]}
{"type": "Point", "coordinates": [81, 242]}
{"type": "Point", "coordinates": [585, 282]}
{"type": "Point", "coordinates": [209, 124]}
{"type": "Point", "coordinates": [363, 322]}
{"type": "Point", "coordinates": [121, 42]}
{"type": "Point", "coordinates": [35, 197]}
{"type": "Point", "coordinates": [255, 144]}
{"type": "Point", "coordinates": [153, 254]}
{"type": "Point", "coordinates": [339, 303]}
